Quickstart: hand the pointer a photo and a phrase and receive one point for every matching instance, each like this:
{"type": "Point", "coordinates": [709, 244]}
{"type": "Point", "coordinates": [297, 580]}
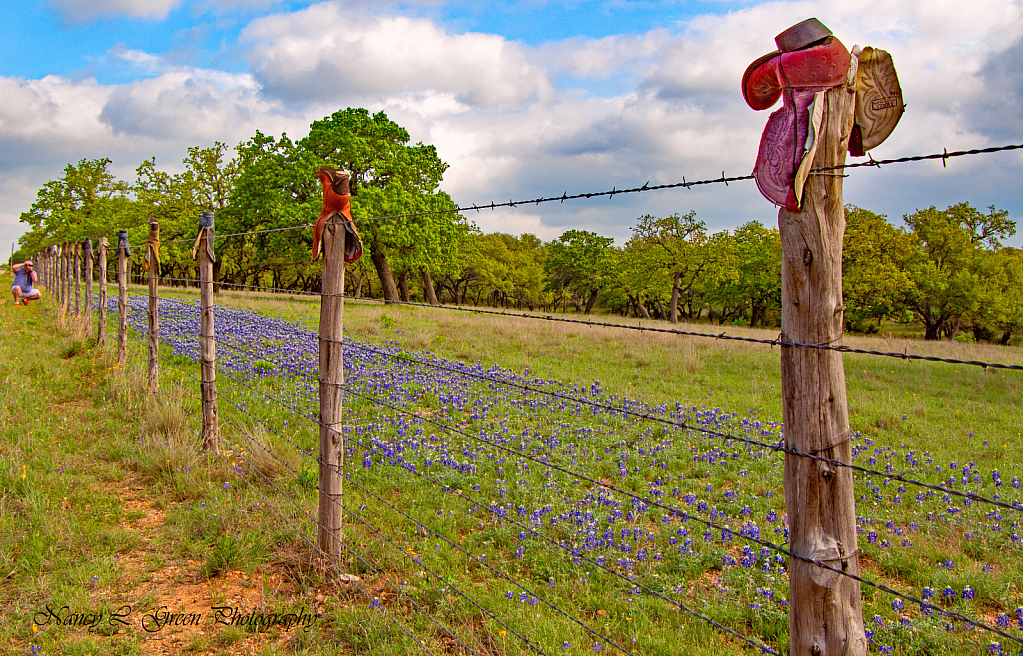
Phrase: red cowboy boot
{"type": "Point", "coordinates": [336, 202]}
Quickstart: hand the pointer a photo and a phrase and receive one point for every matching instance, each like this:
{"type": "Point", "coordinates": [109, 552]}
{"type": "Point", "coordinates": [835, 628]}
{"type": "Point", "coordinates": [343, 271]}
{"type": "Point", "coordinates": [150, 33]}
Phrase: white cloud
{"type": "Point", "coordinates": [329, 52]}
{"type": "Point", "coordinates": [49, 123]}
{"type": "Point", "coordinates": [79, 11]}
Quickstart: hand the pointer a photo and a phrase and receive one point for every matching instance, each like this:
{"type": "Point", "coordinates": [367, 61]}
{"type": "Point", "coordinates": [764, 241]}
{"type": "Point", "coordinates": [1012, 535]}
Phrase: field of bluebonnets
{"type": "Point", "coordinates": [480, 453]}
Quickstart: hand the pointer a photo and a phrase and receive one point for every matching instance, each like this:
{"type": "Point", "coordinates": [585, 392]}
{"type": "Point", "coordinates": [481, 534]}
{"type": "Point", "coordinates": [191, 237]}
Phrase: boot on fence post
{"type": "Point", "coordinates": [151, 263]}
{"type": "Point", "coordinates": [798, 167]}
{"type": "Point", "coordinates": [203, 248]}
{"type": "Point", "coordinates": [101, 309]}
{"type": "Point", "coordinates": [335, 234]}
{"type": "Point", "coordinates": [76, 273]}
{"type": "Point", "coordinates": [87, 314]}
{"type": "Point", "coordinates": [123, 251]}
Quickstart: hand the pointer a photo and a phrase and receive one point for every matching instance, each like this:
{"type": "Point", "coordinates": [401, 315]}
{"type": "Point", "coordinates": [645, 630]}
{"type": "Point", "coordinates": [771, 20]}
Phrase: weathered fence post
{"type": "Point", "coordinates": [825, 608]}
{"type": "Point", "coordinates": [76, 258]}
{"type": "Point", "coordinates": [151, 263]}
{"type": "Point", "coordinates": [207, 334]}
{"type": "Point", "coordinates": [59, 288]}
{"type": "Point", "coordinates": [331, 376]}
{"type": "Point", "coordinates": [123, 251]}
{"type": "Point", "coordinates": [101, 326]}
{"type": "Point", "coordinates": [87, 252]}
{"type": "Point", "coordinates": [68, 253]}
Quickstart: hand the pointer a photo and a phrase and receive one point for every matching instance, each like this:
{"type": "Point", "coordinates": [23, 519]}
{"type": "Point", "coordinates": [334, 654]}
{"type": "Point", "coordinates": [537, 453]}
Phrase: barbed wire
{"type": "Point", "coordinates": [944, 156]}
{"type": "Point", "coordinates": [614, 191]}
{"type": "Point", "coordinates": [778, 341]}
{"type": "Point", "coordinates": [421, 564]}
{"type": "Point", "coordinates": [762, 648]}
{"type": "Point", "coordinates": [774, 447]}
{"type": "Point", "coordinates": [327, 557]}
{"type": "Point", "coordinates": [710, 524]}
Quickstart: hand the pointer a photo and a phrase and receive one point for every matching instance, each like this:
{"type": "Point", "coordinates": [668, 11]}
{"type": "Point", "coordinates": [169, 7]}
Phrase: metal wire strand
{"type": "Point", "coordinates": [651, 329]}
{"type": "Point", "coordinates": [422, 565]}
{"type": "Point", "coordinates": [614, 191]}
{"type": "Point", "coordinates": [681, 513]}
{"type": "Point", "coordinates": [776, 447]}
{"type": "Point", "coordinates": [550, 605]}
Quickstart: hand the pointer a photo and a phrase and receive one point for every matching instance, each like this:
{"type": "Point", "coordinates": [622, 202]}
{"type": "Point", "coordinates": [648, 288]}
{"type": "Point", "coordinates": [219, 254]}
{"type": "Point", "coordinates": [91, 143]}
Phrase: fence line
{"type": "Point", "coordinates": [376, 531]}
{"type": "Point", "coordinates": [710, 524]}
{"type": "Point", "coordinates": [330, 460]}
{"type": "Point", "coordinates": [344, 577]}
{"type": "Point", "coordinates": [777, 447]}
{"type": "Point", "coordinates": [675, 512]}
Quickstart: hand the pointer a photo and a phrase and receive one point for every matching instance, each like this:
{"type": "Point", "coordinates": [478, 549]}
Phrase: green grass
{"type": "Point", "coordinates": [67, 405]}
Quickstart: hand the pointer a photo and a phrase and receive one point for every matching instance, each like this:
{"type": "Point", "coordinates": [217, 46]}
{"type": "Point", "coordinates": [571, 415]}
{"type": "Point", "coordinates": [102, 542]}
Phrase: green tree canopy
{"type": "Point", "coordinates": [582, 263]}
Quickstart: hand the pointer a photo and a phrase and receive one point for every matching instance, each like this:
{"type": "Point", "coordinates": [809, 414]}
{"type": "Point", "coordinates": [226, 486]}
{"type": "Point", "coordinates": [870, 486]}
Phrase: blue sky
{"type": "Point", "coordinates": [521, 98]}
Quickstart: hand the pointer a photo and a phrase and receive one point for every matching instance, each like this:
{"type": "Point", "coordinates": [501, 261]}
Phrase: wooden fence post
{"type": "Point", "coordinates": [87, 252]}
{"type": "Point", "coordinates": [101, 326]}
{"type": "Point", "coordinates": [122, 297]}
{"type": "Point", "coordinates": [825, 608]}
{"type": "Point", "coordinates": [207, 334]}
{"type": "Point", "coordinates": [151, 263]}
{"type": "Point", "coordinates": [67, 276]}
{"type": "Point", "coordinates": [76, 258]}
{"type": "Point", "coordinates": [331, 377]}
{"type": "Point", "coordinates": [59, 286]}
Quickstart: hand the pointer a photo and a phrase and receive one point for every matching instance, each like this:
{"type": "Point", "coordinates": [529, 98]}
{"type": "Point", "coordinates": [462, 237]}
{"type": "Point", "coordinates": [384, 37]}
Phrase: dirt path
{"type": "Point", "coordinates": [172, 603]}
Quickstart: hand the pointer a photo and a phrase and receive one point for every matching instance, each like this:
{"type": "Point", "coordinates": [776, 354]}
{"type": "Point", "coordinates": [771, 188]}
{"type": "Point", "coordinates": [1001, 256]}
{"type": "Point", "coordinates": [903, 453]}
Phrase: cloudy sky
{"type": "Point", "coordinates": [522, 99]}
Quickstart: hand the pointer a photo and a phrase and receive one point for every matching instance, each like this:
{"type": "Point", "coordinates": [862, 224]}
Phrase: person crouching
{"type": "Point", "coordinates": [24, 281]}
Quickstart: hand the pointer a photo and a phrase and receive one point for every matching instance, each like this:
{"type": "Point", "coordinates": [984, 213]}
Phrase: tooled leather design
{"type": "Point", "coordinates": [781, 148]}
{"type": "Point", "coordinates": [879, 103]}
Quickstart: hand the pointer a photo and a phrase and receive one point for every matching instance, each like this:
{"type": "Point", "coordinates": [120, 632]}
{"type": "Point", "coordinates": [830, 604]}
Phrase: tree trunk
{"type": "Point", "coordinates": [384, 273]}
{"type": "Point", "coordinates": [660, 308]}
{"type": "Point", "coordinates": [428, 290]}
{"type": "Point", "coordinates": [1006, 336]}
{"type": "Point", "coordinates": [756, 315]}
{"type": "Point", "coordinates": [642, 309]}
{"type": "Point", "coordinates": [825, 608]}
{"type": "Point", "coordinates": [358, 285]}
{"type": "Point", "coordinates": [403, 286]}
{"type": "Point", "coordinates": [932, 327]}
{"type": "Point", "coordinates": [592, 300]}
{"type": "Point", "coordinates": [673, 317]}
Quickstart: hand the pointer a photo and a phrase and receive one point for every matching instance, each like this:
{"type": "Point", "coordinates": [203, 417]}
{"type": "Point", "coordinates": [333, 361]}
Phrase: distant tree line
{"type": "Point", "coordinates": [946, 269]}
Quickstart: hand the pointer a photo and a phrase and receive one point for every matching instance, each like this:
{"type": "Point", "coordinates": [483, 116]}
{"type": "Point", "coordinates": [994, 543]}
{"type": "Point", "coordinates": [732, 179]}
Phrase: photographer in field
{"type": "Point", "coordinates": [24, 279]}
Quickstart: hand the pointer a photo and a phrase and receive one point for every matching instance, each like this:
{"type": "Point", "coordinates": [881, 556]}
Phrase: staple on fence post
{"type": "Point", "coordinates": [151, 263]}
{"type": "Point", "coordinates": [87, 253]}
{"type": "Point", "coordinates": [123, 251]}
{"type": "Point", "coordinates": [331, 378]}
{"type": "Point", "coordinates": [825, 608]}
{"type": "Point", "coordinates": [207, 334]}
{"type": "Point", "coordinates": [101, 321]}
{"type": "Point", "coordinates": [76, 257]}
